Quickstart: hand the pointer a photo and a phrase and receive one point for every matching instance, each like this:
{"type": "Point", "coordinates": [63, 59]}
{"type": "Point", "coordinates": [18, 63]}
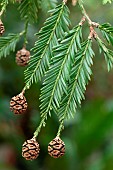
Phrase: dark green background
{"type": "Point", "coordinates": [88, 137]}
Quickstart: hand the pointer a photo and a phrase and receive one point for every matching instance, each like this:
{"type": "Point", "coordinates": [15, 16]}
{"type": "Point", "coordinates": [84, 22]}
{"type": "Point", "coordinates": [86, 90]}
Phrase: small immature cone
{"type": "Point", "coordinates": [22, 57]}
{"type": "Point", "coordinates": [30, 149]}
{"type": "Point", "coordinates": [56, 148]}
{"type": "Point", "coordinates": [2, 29]}
{"type": "Point", "coordinates": [18, 104]}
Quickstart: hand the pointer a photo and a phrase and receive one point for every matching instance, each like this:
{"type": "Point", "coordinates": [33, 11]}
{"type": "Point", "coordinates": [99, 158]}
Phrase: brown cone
{"type": "Point", "coordinates": [30, 149]}
{"type": "Point", "coordinates": [2, 29]}
{"type": "Point", "coordinates": [18, 104]}
{"type": "Point", "coordinates": [22, 57]}
{"type": "Point", "coordinates": [56, 148]}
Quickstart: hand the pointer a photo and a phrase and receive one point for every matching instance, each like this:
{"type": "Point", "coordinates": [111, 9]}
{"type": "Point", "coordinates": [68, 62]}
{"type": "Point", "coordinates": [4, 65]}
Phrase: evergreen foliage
{"type": "Point", "coordinates": [79, 77]}
{"type": "Point", "coordinates": [107, 31]}
{"type": "Point", "coordinates": [8, 44]}
{"type": "Point", "coordinates": [29, 10]}
{"type": "Point", "coordinates": [59, 72]}
{"type": "Point", "coordinates": [108, 54]}
{"type": "Point", "coordinates": [62, 57]}
{"type": "Point", "coordinates": [48, 4]}
{"type": "Point", "coordinates": [55, 27]}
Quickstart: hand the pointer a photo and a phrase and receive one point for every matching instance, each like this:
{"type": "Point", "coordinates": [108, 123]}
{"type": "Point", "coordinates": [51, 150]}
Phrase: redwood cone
{"type": "Point", "coordinates": [18, 104]}
{"type": "Point", "coordinates": [30, 149]}
{"type": "Point", "coordinates": [22, 57]}
{"type": "Point", "coordinates": [2, 29]}
{"type": "Point", "coordinates": [56, 148]}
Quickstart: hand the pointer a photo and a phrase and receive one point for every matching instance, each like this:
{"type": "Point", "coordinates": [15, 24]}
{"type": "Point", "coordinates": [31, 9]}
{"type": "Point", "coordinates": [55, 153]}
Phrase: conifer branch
{"type": "Point", "coordinates": [84, 11]}
{"type": "Point", "coordinates": [4, 4]}
{"type": "Point", "coordinates": [59, 71]}
{"type": "Point", "coordinates": [107, 32]}
{"type": "Point", "coordinates": [91, 23]}
{"type": "Point", "coordinates": [49, 4]}
{"type": "Point", "coordinates": [29, 10]}
{"type": "Point", "coordinates": [108, 54]}
{"type": "Point", "coordinates": [8, 44]}
{"type": "Point", "coordinates": [55, 27]}
{"type": "Point", "coordinates": [80, 75]}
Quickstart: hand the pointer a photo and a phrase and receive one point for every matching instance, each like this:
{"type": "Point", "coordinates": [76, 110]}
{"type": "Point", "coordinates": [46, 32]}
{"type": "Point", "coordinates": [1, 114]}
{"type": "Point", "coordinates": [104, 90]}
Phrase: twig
{"type": "Point", "coordinates": [92, 34]}
{"type": "Point", "coordinates": [94, 24]}
{"type": "Point", "coordinates": [82, 21]}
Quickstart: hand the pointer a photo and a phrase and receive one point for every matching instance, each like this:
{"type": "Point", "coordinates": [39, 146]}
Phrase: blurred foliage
{"type": "Point", "coordinates": [88, 137]}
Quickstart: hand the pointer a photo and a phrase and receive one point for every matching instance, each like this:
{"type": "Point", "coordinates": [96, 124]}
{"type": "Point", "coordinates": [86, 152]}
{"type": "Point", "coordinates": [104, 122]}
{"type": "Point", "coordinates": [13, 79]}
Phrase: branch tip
{"type": "Point", "coordinates": [82, 21]}
{"type": "Point", "coordinates": [92, 34]}
{"type": "Point", "coordinates": [64, 1]}
{"type": "Point", "coordinates": [95, 24]}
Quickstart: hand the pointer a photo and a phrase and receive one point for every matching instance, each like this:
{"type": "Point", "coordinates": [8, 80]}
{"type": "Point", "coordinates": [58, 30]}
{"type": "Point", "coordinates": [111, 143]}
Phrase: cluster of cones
{"type": "Point", "coordinates": [30, 148]}
{"type": "Point", "coordinates": [18, 104]}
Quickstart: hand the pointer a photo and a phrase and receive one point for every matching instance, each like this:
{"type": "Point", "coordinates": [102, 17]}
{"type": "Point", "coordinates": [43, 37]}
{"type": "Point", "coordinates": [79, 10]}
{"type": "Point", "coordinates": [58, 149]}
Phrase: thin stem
{"type": "Point", "coordinates": [94, 24]}
{"type": "Point", "coordinates": [25, 33]}
{"type": "Point", "coordinates": [61, 127]}
{"type": "Point", "coordinates": [42, 123]}
{"type": "Point", "coordinates": [82, 21]}
{"type": "Point", "coordinates": [84, 12]}
{"type": "Point", "coordinates": [21, 33]}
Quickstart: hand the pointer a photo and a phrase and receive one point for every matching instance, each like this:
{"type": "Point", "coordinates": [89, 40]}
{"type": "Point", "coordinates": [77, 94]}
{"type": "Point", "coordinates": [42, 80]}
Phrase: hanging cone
{"type": "Point", "coordinates": [18, 104]}
{"type": "Point", "coordinates": [2, 29]}
{"type": "Point", "coordinates": [22, 57]}
{"type": "Point", "coordinates": [30, 149]}
{"type": "Point", "coordinates": [56, 148]}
